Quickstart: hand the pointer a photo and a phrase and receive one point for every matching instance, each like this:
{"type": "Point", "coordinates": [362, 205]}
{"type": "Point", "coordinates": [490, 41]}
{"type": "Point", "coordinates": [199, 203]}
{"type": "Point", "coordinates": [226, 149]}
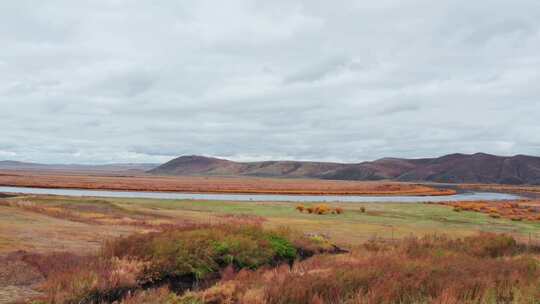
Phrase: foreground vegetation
{"type": "Point", "coordinates": [248, 265]}
{"type": "Point", "coordinates": [52, 248]}
{"type": "Point", "coordinates": [178, 258]}
{"type": "Point", "coordinates": [485, 268]}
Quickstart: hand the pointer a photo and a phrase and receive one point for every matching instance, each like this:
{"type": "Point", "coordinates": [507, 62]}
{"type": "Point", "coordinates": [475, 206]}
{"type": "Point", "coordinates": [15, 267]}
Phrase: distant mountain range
{"type": "Point", "coordinates": [16, 165]}
{"type": "Point", "coordinates": [453, 168]}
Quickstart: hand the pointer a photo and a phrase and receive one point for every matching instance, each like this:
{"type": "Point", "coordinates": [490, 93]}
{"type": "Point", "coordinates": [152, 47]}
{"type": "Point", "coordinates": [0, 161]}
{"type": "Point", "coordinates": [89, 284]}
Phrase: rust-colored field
{"type": "Point", "coordinates": [199, 184]}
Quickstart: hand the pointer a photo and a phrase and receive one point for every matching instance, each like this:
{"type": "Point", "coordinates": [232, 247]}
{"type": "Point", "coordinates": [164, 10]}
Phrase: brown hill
{"type": "Point", "coordinates": [201, 165]}
{"type": "Point", "coordinates": [453, 168]}
{"type": "Point", "coordinates": [478, 168]}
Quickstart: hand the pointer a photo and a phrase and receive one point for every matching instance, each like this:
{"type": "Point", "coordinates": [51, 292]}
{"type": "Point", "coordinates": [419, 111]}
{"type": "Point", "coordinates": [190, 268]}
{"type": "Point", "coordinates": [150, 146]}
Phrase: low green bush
{"type": "Point", "coordinates": [282, 247]}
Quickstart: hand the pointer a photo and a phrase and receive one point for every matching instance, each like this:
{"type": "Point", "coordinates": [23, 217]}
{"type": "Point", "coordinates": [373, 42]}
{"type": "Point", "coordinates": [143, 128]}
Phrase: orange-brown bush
{"type": "Point", "coordinates": [320, 209]}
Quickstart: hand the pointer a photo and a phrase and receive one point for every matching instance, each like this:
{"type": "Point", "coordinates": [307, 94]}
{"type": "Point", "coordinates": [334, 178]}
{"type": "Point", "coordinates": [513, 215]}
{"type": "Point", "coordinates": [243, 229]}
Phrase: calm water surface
{"type": "Point", "coordinates": [262, 197]}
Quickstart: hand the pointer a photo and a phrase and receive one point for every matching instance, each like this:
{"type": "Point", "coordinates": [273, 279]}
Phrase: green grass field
{"type": "Point", "coordinates": [385, 220]}
{"type": "Point", "coordinates": [379, 219]}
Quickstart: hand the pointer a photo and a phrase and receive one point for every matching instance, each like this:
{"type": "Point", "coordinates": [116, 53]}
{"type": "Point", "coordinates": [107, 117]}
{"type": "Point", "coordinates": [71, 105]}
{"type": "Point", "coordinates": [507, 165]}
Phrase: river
{"type": "Point", "coordinates": [470, 196]}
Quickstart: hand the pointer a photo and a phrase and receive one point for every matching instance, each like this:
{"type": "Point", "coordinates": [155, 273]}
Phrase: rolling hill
{"type": "Point", "coordinates": [453, 168]}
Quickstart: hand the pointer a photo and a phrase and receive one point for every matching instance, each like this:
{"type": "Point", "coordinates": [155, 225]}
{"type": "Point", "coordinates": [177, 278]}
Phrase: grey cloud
{"type": "Point", "coordinates": [125, 85]}
{"type": "Point", "coordinates": [318, 71]}
{"type": "Point", "coordinates": [127, 81]}
{"type": "Point", "coordinates": [399, 109]}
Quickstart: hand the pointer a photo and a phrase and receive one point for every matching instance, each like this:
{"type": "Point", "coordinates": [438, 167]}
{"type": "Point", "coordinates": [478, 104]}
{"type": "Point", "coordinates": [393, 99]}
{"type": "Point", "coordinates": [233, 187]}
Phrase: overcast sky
{"type": "Point", "coordinates": [145, 81]}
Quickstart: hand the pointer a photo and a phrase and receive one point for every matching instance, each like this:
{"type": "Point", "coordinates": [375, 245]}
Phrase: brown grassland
{"type": "Point", "coordinates": [200, 184]}
{"type": "Point", "coordinates": [246, 264]}
{"type": "Point", "coordinates": [63, 250]}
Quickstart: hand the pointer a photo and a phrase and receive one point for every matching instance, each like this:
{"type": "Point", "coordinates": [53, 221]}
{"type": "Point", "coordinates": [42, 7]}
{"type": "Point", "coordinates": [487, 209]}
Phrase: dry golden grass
{"type": "Point", "coordinates": [97, 212]}
{"type": "Point", "coordinates": [198, 184]}
{"type": "Point", "coordinates": [26, 230]}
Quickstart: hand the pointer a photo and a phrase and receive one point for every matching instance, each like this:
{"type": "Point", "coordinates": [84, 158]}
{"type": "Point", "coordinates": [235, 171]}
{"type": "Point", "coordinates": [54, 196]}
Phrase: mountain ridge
{"type": "Point", "coordinates": [451, 168]}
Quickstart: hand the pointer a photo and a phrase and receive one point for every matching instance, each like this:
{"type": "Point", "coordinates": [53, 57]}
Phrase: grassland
{"type": "Point", "coordinates": [200, 184]}
{"type": "Point", "coordinates": [28, 219]}
{"type": "Point", "coordinates": [43, 225]}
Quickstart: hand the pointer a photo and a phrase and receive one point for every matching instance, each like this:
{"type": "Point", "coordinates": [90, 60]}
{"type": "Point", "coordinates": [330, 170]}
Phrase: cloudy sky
{"type": "Point", "coordinates": [144, 81]}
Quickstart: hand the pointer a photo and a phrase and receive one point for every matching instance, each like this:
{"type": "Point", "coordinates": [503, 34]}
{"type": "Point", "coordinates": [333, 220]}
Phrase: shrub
{"type": "Point", "coordinates": [300, 208]}
{"type": "Point", "coordinates": [490, 245]}
{"type": "Point", "coordinates": [282, 247]}
{"type": "Point", "coordinates": [322, 209]}
{"type": "Point", "coordinates": [202, 251]}
{"type": "Point", "coordinates": [495, 215]}
{"type": "Point", "coordinates": [363, 209]}
{"type": "Point", "coordinates": [160, 295]}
